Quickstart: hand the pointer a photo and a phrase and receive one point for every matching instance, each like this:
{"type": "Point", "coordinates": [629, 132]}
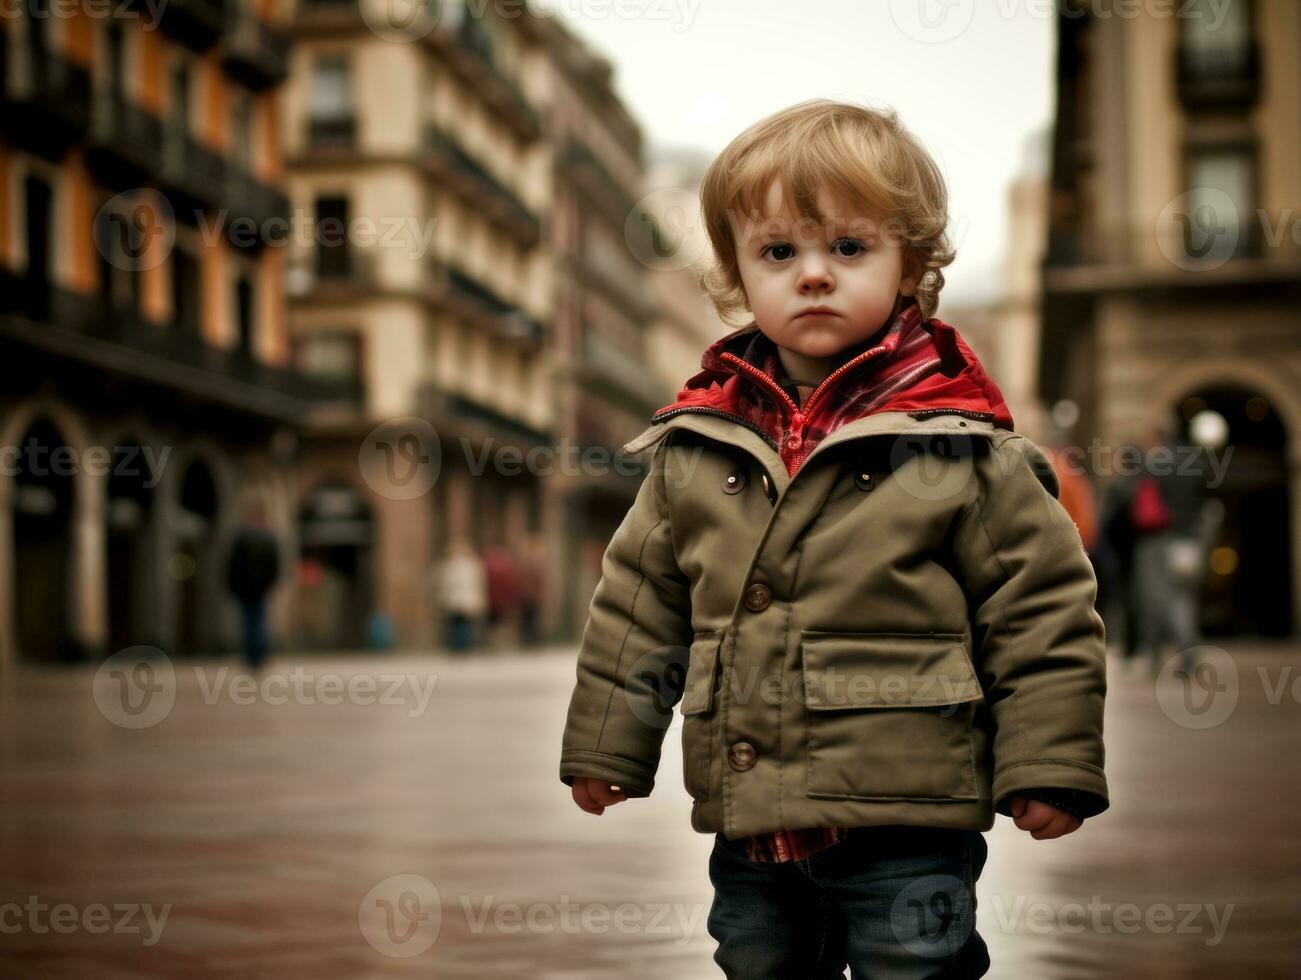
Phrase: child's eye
{"type": "Point", "coordinates": [853, 245]}
{"type": "Point", "coordinates": [776, 247]}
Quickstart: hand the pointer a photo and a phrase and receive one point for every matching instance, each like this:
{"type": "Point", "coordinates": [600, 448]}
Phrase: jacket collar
{"type": "Point", "coordinates": [745, 359]}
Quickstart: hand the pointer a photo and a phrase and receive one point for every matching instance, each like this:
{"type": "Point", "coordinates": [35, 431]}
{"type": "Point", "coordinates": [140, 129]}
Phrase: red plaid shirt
{"type": "Point", "coordinates": [900, 368]}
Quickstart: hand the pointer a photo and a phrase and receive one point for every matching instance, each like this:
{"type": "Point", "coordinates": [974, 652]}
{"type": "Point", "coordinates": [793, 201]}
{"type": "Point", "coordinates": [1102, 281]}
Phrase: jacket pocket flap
{"type": "Point", "coordinates": [698, 687]}
{"type": "Point", "coordinates": [885, 670]}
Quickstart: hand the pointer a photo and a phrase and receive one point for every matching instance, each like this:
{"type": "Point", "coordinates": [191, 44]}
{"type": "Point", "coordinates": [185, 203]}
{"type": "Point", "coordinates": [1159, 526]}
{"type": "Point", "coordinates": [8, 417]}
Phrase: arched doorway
{"type": "Point", "coordinates": [130, 528]}
{"type": "Point", "coordinates": [42, 529]}
{"type": "Point", "coordinates": [335, 578]}
{"type": "Point", "coordinates": [191, 563]}
{"type": "Point", "coordinates": [1248, 588]}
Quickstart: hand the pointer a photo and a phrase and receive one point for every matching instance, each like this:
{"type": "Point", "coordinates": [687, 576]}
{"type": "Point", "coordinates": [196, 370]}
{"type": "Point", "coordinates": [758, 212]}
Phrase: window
{"type": "Point", "coordinates": [241, 130]}
{"type": "Point", "coordinates": [38, 206]}
{"type": "Point", "coordinates": [332, 252]}
{"type": "Point", "coordinates": [332, 354]}
{"type": "Point", "coordinates": [330, 115]}
{"type": "Point", "coordinates": [119, 243]}
{"type": "Point", "coordinates": [1216, 37]}
{"type": "Point", "coordinates": [334, 358]}
{"type": "Point", "coordinates": [244, 313]}
{"type": "Point", "coordinates": [185, 290]}
{"type": "Point", "coordinates": [180, 92]}
{"type": "Point", "coordinates": [1221, 202]}
{"type": "Point", "coordinates": [115, 66]}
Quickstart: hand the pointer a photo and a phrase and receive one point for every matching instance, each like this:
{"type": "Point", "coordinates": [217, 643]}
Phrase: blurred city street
{"type": "Point", "coordinates": [401, 816]}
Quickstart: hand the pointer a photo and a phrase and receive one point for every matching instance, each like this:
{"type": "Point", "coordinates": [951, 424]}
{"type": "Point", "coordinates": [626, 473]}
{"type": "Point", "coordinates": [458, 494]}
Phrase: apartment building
{"type": "Point", "coordinates": [143, 345]}
{"type": "Point", "coordinates": [1173, 271]}
{"type": "Point", "coordinates": [494, 324]}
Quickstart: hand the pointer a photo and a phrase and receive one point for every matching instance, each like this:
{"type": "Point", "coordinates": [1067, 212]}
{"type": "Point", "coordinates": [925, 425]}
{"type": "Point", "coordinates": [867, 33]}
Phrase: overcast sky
{"type": "Point", "coordinates": [973, 81]}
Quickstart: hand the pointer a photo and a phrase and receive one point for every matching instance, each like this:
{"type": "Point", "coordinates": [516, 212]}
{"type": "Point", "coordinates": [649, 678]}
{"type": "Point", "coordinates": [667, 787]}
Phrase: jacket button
{"type": "Point", "coordinates": [735, 482]}
{"type": "Point", "coordinates": [757, 597]}
{"type": "Point", "coordinates": [741, 756]}
{"type": "Point", "coordinates": [863, 480]}
{"type": "Point", "coordinates": [767, 487]}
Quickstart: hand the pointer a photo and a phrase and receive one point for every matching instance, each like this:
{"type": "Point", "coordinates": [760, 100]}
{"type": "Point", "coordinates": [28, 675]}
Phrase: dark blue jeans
{"type": "Point", "coordinates": [256, 643]}
{"type": "Point", "coordinates": [888, 902]}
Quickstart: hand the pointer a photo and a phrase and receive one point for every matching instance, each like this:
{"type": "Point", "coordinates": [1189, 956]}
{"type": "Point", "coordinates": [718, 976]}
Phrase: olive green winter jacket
{"type": "Point", "coordinates": [903, 632]}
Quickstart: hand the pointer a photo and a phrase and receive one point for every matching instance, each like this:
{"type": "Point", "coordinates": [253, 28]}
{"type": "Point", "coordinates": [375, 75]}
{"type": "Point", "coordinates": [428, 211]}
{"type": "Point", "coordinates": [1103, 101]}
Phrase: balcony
{"type": "Point", "coordinates": [193, 176]}
{"type": "Point", "coordinates": [250, 199]}
{"type": "Point", "coordinates": [253, 51]}
{"type": "Point", "coordinates": [327, 18]}
{"type": "Point", "coordinates": [46, 105]}
{"type": "Point", "coordinates": [332, 133]}
{"type": "Point", "coordinates": [473, 182]}
{"type": "Point", "coordinates": [125, 140]}
{"type": "Point", "coordinates": [581, 166]}
{"type": "Point", "coordinates": [197, 24]}
{"type": "Point", "coordinates": [1133, 259]}
{"type": "Point", "coordinates": [78, 327]}
{"type": "Point", "coordinates": [466, 49]}
{"type": "Point", "coordinates": [609, 370]}
{"type": "Point", "coordinates": [328, 275]}
{"type": "Point", "coordinates": [457, 415]}
{"type": "Point", "coordinates": [1225, 78]}
{"type": "Point", "coordinates": [469, 299]}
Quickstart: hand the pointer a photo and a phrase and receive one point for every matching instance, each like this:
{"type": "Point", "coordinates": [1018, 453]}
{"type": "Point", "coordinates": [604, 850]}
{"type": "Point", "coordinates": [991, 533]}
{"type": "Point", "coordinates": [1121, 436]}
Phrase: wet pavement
{"type": "Point", "coordinates": [401, 816]}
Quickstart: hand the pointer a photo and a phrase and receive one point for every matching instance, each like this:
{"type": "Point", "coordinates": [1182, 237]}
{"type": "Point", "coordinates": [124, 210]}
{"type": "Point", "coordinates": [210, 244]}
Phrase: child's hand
{"type": "Point", "coordinates": [594, 795]}
{"type": "Point", "coordinates": [1043, 820]}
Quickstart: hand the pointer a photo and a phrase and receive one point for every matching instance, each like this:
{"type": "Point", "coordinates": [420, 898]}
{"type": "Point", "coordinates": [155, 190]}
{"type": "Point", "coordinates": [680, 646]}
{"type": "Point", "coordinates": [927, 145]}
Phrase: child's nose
{"type": "Point", "coordinates": [815, 273]}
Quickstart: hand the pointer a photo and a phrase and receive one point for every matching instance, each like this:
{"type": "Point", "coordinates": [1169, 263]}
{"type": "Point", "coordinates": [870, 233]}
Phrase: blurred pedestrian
{"type": "Point", "coordinates": [532, 572]}
{"type": "Point", "coordinates": [252, 570]}
{"type": "Point", "coordinates": [463, 592]}
{"type": "Point", "coordinates": [1113, 559]}
{"type": "Point", "coordinates": [1163, 507]}
{"type": "Point", "coordinates": [503, 595]}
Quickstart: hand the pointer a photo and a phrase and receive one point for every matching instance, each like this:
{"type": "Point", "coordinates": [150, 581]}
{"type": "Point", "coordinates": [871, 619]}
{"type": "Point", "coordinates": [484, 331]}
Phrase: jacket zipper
{"type": "Point", "coordinates": [970, 413]}
{"type": "Point", "coordinates": [791, 438]}
{"type": "Point", "coordinates": [704, 410]}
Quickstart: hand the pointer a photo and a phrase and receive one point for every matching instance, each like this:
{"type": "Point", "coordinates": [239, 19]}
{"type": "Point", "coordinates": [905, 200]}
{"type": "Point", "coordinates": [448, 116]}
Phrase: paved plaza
{"type": "Point", "coordinates": [400, 816]}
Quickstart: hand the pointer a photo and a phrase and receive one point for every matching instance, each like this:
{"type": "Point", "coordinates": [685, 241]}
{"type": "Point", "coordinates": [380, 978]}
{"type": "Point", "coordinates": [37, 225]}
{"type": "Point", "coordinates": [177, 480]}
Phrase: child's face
{"type": "Point", "coordinates": [847, 263]}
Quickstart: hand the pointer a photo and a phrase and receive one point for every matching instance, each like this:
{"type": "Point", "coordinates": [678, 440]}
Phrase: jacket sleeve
{"type": "Point", "coordinates": [634, 649]}
{"type": "Point", "coordinates": [1039, 642]}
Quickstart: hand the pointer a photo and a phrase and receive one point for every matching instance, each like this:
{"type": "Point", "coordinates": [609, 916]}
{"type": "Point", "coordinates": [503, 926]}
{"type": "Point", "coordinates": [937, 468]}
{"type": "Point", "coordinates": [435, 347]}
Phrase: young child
{"type": "Point", "coordinates": [849, 573]}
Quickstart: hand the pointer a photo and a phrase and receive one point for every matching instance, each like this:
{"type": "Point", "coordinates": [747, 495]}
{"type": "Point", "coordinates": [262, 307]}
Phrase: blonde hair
{"type": "Point", "coordinates": [863, 156]}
